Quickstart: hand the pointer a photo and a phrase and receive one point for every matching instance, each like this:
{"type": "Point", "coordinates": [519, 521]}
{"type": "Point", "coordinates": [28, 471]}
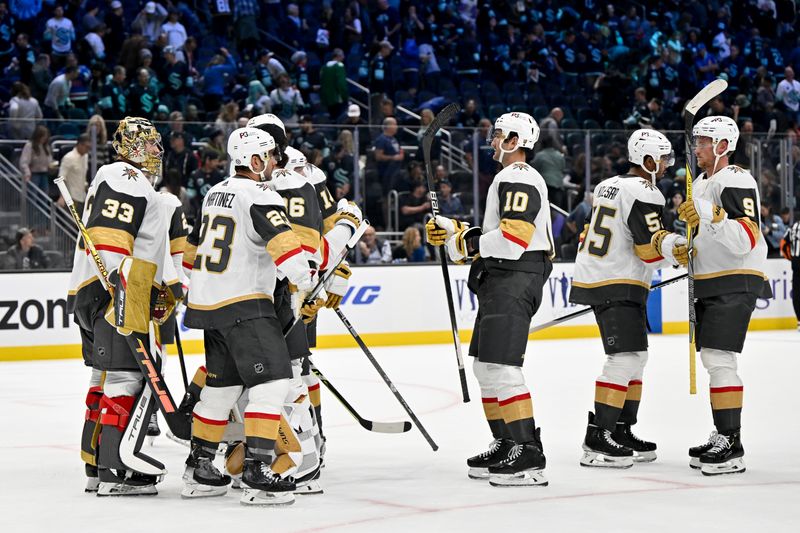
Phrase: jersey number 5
{"type": "Point", "coordinates": [599, 247]}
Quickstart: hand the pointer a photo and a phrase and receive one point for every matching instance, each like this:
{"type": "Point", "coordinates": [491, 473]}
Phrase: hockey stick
{"type": "Point", "coordinates": [330, 271]}
{"type": "Point", "coordinates": [178, 423]}
{"type": "Point", "coordinates": [581, 312]}
{"type": "Point", "coordinates": [179, 345]}
{"type": "Point", "coordinates": [386, 379]}
{"type": "Point", "coordinates": [440, 120]}
{"type": "Point", "coordinates": [705, 95]}
{"type": "Point", "coordinates": [369, 425]}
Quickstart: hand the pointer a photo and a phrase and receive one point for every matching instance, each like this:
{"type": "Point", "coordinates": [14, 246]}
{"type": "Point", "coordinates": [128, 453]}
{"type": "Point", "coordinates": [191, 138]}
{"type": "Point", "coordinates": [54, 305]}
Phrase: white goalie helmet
{"type": "Point", "coordinates": [297, 159]}
{"type": "Point", "coordinates": [267, 118]}
{"type": "Point", "coordinates": [522, 124]}
{"type": "Point", "coordinates": [718, 128]}
{"type": "Point", "coordinates": [650, 142]}
{"type": "Point", "coordinates": [244, 143]}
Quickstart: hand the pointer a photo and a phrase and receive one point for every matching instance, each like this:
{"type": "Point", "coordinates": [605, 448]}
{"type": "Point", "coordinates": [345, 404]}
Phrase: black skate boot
{"type": "Point", "coordinates": [262, 486]}
{"type": "Point", "coordinates": [479, 464]}
{"type": "Point", "coordinates": [643, 451]}
{"type": "Point", "coordinates": [125, 483]}
{"type": "Point", "coordinates": [92, 481]}
{"type": "Point", "coordinates": [202, 479]}
{"type": "Point", "coordinates": [726, 456]}
{"type": "Point", "coordinates": [522, 466]}
{"type": "Point", "coordinates": [696, 451]}
{"type": "Point", "coordinates": [153, 430]}
{"type": "Point", "coordinates": [309, 483]}
{"type": "Point", "coordinates": [600, 449]}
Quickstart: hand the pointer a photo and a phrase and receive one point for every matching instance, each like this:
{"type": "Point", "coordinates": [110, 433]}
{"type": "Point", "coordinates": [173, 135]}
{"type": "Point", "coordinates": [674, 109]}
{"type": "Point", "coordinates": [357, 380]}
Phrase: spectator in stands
{"type": "Point", "coordinates": [226, 120]}
{"type": "Point", "coordinates": [382, 70]}
{"type": "Point", "coordinates": [388, 154]}
{"type": "Point", "coordinates": [309, 140]}
{"type": "Point", "coordinates": [339, 166]}
{"type": "Point", "coordinates": [178, 80]}
{"type": "Point", "coordinates": [176, 32]}
{"type": "Point", "coordinates": [149, 21]}
{"type": "Point", "coordinates": [24, 111]}
{"type": "Point", "coordinates": [575, 222]}
{"type": "Point", "coordinates": [333, 85]}
{"type": "Point", "coordinates": [57, 100]}
{"type": "Point", "coordinates": [302, 79]}
{"type": "Point", "coordinates": [287, 102]}
{"type": "Point", "coordinates": [706, 65]}
{"type": "Point", "coordinates": [551, 123]}
{"type": "Point", "coordinates": [202, 179]}
{"type": "Point", "coordinates": [102, 149]}
{"type": "Point", "coordinates": [788, 94]}
{"type": "Point", "coordinates": [114, 103]}
{"type": "Point", "coordinates": [550, 163]}
{"type": "Point", "coordinates": [468, 117]}
{"type": "Point", "coordinates": [41, 77]}
{"type": "Point", "coordinates": [268, 68]}
{"type": "Point", "coordinates": [36, 161]}
{"type": "Point", "coordinates": [294, 26]}
{"type": "Point", "coordinates": [74, 168]}
{"type": "Point", "coordinates": [449, 205]}
{"type": "Point", "coordinates": [180, 157]}
{"type": "Point", "coordinates": [258, 100]}
{"type": "Point", "coordinates": [486, 164]}
{"type": "Point", "coordinates": [429, 68]}
{"type": "Point", "coordinates": [386, 23]}
{"type": "Point", "coordinates": [414, 206]}
{"type": "Point", "coordinates": [60, 31]}
{"type": "Point", "coordinates": [411, 249]}
{"type": "Point", "coordinates": [142, 98]}
{"type": "Point", "coordinates": [115, 21]}
{"type": "Point", "coordinates": [172, 184]}
{"type": "Point", "coordinates": [772, 228]}
{"type": "Point", "coordinates": [94, 39]}
{"type": "Point", "coordinates": [215, 78]}
{"type": "Point", "coordinates": [24, 254]}
{"type": "Point", "coordinates": [373, 250]}
{"type": "Point", "coordinates": [671, 220]}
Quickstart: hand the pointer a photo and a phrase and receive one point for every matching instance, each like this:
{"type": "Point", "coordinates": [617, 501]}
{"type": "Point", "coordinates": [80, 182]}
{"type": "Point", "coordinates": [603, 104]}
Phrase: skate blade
{"type": "Point", "coordinates": [734, 466]}
{"type": "Point", "coordinates": [120, 489]}
{"type": "Point", "coordinates": [644, 457]}
{"type": "Point", "coordinates": [478, 473]}
{"type": "Point", "coordinates": [598, 460]}
{"type": "Point", "coordinates": [695, 464]}
{"type": "Point", "coordinates": [258, 497]}
{"type": "Point", "coordinates": [312, 487]}
{"type": "Point", "coordinates": [92, 484]}
{"type": "Point", "coordinates": [526, 478]}
{"type": "Point", "coordinates": [202, 491]}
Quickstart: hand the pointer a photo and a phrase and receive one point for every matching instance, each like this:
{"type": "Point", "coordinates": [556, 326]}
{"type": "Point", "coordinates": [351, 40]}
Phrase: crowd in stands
{"type": "Point", "coordinates": [202, 68]}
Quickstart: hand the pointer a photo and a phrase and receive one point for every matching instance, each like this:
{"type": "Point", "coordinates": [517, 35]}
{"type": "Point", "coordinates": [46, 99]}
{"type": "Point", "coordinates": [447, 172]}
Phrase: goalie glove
{"type": "Point", "coordinates": [336, 285]}
{"type": "Point", "coordinates": [348, 214]}
{"type": "Point", "coordinates": [463, 244]}
{"type": "Point", "coordinates": [695, 211]}
{"type": "Point", "coordinates": [439, 229]}
{"type": "Point", "coordinates": [672, 247]}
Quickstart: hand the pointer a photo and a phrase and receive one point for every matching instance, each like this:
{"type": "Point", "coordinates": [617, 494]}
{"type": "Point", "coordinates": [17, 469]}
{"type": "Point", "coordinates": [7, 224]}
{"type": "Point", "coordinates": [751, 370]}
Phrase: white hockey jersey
{"type": "Point", "coordinates": [517, 217]}
{"type": "Point", "coordinates": [616, 259]}
{"type": "Point", "coordinates": [124, 216]}
{"type": "Point", "coordinates": [731, 254]}
{"type": "Point", "coordinates": [242, 239]}
{"type": "Point", "coordinates": [177, 231]}
{"type": "Point", "coordinates": [334, 236]}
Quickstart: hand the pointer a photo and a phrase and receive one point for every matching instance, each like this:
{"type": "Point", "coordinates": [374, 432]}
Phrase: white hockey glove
{"type": "Point", "coordinates": [336, 286]}
{"type": "Point", "coordinates": [348, 213]}
{"type": "Point", "coordinates": [698, 210]}
{"type": "Point", "coordinates": [457, 246]}
{"type": "Point", "coordinates": [672, 247]}
{"type": "Point", "coordinates": [439, 229]}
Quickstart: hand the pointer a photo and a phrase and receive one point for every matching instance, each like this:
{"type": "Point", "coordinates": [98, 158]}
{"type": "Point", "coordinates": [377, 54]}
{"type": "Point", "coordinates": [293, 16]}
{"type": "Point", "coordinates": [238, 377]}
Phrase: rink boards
{"type": "Point", "coordinates": [387, 305]}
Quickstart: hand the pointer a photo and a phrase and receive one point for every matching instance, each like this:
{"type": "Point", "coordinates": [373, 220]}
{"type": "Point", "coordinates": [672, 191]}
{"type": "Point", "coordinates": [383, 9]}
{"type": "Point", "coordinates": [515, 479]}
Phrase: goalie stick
{"type": "Point", "coordinates": [442, 118]}
{"type": "Point", "coordinates": [179, 424]}
{"type": "Point", "coordinates": [705, 95]}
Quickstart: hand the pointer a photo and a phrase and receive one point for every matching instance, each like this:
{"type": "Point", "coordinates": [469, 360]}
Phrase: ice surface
{"type": "Point", "coordinates": [377, 482]}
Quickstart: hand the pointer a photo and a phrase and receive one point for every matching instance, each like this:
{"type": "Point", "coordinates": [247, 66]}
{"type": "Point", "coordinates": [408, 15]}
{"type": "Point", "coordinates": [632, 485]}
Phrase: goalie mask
{"type": "Point", "coordinates": [138, 141]}
{"type": "Point", "coordinates": [521, 124]}
{"type": "Point", "coordinates": [643, 143]}
{"type": "Point", "coordinates": [244, 143]}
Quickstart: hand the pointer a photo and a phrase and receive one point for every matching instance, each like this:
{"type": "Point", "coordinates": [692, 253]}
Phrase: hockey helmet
{"type": "Point", "coordinates": [646, 142]}
{"type": "Point", "coordinates": [718, 128]}
{"type": "Point", "coordinates": [138, 141]}
{"type": "Point", "coordinates": [297, 159]}
{"type": "Point", "coordinates": [244, 143]}
{"type": "Point", "coordinates": [520, 123]}
{"type": "Point", "coordinates": [267, 118]}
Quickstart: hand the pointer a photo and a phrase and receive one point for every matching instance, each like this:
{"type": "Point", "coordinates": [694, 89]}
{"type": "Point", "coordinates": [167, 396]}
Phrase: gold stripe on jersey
{"type": "Point", "coordinates": [751, 228]}
{"type": "Point", "coordinates": [189, 253]}
{"type": "Point", "coordinates": [328, 223]}
{"type": "Point", "coordinates": [309, 238]}
{"type": "Point", "coordinates": [283, 246]}
{"type": "Point", "coordinates": [647, 253]}
{"type": "Point", "coordinates": [83, 284]}
{"type": "Point", "coordinates": [610, 282]}
{"type": "Point", "coordinates": [517, 231]}
{"type": "Point", "coordinates": [738, 271]}
{"type": "Point", "coordinates": [256, 296]}
{"type": "Point", "coordinates": [112, 240]}
{"type": "Point", "coordinates": [177, 245]}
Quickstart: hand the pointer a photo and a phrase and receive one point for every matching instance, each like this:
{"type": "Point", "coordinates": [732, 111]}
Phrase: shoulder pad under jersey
{"type": "Point", "coordinates": [734, 176]}
{"type": "Point", "coordinates": [284, 179]}
{"type": "Point", "coordinates": [169, 199]}
{"type": "Point", "coordinates": [124, 178]}
{"type": "Point", "coordinates": [314, 174]}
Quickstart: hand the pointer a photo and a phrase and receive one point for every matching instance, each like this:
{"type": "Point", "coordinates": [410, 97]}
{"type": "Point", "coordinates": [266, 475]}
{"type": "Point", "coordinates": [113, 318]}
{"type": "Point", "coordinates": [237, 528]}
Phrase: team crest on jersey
{"type": "Point", "coordinates": [647, 184]}
{"type": "Point", "coordinates": [129, 173]}
{"type": "Point", "coordinates": [263, 186]}
{"type": "Point", "coordinates": [520, 166]}
{"type": "Point", "coordinates": [737, 169]}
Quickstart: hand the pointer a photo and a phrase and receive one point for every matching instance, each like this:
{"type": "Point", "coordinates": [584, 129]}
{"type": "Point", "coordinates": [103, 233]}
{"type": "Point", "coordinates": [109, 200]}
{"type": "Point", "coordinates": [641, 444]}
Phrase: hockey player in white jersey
{"type": "Point", "coordinates": [243, 240]}
{"type": "Point", "coordinates": [124, 219]}
{"type": "Point", "coordinates": [624, 243]}
{"type": "Point", "coordinates": [512, 256]}
{"type": "Point", "coordinates": [729, 277]}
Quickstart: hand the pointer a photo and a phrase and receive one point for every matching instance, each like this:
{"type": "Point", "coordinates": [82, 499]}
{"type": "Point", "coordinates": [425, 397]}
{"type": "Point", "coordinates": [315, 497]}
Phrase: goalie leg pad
{"type": "Point", "coordinates": [91, 428]}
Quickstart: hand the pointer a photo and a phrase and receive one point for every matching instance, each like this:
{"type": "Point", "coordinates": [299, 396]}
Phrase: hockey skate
{"type": "Point", "coordinates": [201, 479]}
{"type": "Point", "coordinates": [309, 484]}
{"type": "Point", "coordinates": [600, 449]}
{"type": "Point", "coordinates": [726, 456]}
{"type": "Point", "coordinates": [126, 483]}
{"type": "Point", "coordinates": [696, 451]}
{"type": "Point", "coordinates": [522, 467]}
{"type": "Point", "coordinates": [262, 486]}
{"type": "Point", "coordinates": [92, 481]}
{"type": "Point", "coordinates": [479, 464]}
{"type": "Point", "coordinates": [643, 451]}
